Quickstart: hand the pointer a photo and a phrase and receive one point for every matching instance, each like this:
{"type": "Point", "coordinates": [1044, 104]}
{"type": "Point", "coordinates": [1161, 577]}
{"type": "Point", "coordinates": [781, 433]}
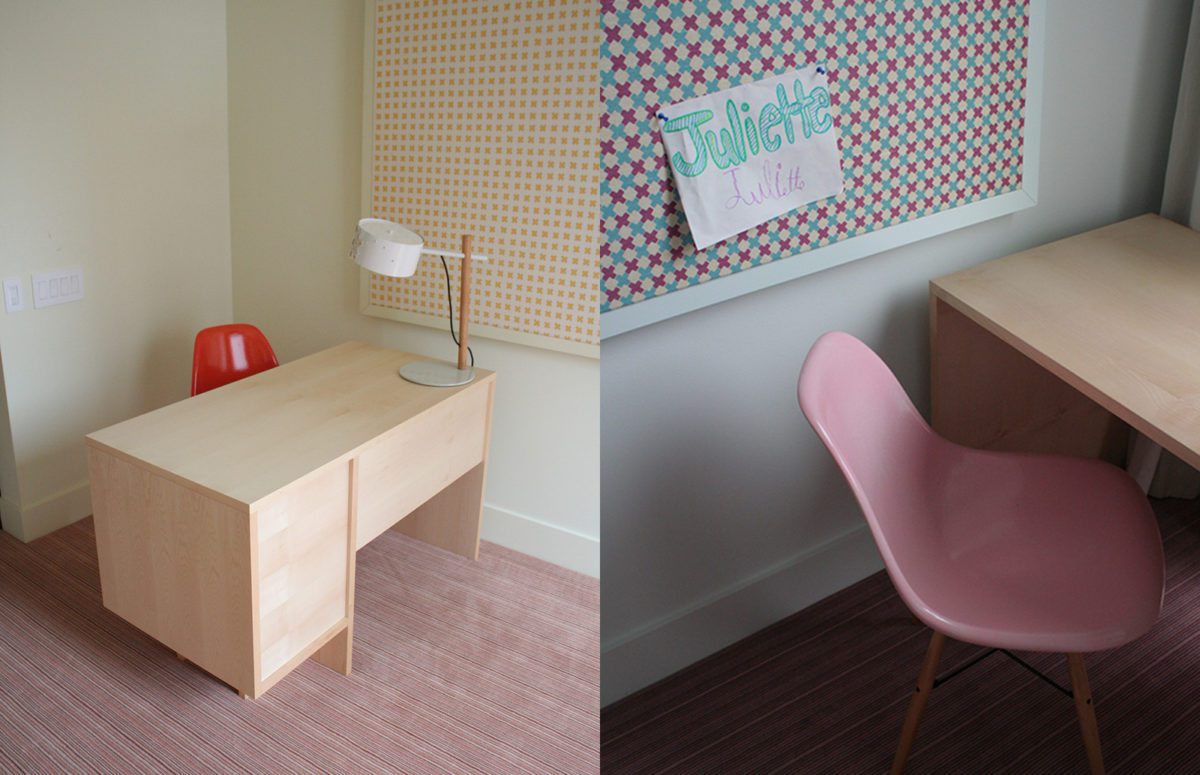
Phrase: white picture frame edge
{"type": "Point", "coordinates": [650, 311]}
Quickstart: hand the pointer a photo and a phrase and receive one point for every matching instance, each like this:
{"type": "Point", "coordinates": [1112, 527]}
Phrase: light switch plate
{"type": "Point", "coordinates": [14, 297]}
{"type": "Point", "coordinates": [57, 287]}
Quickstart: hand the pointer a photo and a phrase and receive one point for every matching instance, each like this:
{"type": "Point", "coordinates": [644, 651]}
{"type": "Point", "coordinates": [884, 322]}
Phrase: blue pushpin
{"type": "Point", "coordinates": [821, 69]}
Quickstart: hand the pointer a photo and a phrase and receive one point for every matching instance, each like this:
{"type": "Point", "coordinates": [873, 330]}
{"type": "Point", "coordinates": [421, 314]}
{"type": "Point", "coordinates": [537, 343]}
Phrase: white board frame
{"type": "Point", "coordinates": [655, 310]}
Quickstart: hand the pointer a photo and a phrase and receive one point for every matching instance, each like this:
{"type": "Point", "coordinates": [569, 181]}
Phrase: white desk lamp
{"type": "Point", "coordinates": [390, 249]}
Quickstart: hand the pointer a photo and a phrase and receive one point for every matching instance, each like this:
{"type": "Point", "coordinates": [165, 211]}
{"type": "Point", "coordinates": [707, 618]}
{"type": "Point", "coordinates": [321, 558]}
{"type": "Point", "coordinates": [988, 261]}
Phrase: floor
{"type": "Point", "coordinates": [825, 691]}
{"type": "Point", "coordinates": [485, 667]}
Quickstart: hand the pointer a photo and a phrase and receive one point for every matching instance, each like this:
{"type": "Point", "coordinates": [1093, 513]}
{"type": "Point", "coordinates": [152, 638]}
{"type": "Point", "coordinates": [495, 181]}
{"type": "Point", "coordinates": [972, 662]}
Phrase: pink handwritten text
{"type": "Point", "coordinates": [772, 184]}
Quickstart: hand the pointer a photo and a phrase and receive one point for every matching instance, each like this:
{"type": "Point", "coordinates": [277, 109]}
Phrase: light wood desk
{"type": "Point", "coordinates": [227, 524]}
{"type": "Point", "coordinates": [1063, 347]}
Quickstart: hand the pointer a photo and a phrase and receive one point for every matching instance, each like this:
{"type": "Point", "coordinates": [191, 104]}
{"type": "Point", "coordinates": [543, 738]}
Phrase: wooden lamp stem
{"type": "Point", "coordinates": [464, 304]}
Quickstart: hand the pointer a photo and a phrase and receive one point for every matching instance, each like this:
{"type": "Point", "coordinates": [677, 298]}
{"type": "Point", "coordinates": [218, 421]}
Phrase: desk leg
{"type": "Point", "coordinates": [451, 518]}
{"type": "Point", "coordinates": [986, 394]}
{"type": "Point", "coordinates": [336, 654]}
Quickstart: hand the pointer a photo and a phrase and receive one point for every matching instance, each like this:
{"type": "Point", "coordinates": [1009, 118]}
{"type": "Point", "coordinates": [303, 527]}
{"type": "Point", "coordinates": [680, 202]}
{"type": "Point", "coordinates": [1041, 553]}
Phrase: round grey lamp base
{"type": "Point", "coordinates": [436, 374]}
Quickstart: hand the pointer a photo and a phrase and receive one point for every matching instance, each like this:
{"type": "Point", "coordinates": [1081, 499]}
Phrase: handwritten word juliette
{"type": "Point", "coordinates": [771, 184]}
{"type": "Point", "coordinates": [746, 135]}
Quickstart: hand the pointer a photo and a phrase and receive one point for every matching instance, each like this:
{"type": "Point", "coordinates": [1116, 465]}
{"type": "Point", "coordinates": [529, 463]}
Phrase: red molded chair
{"type": "Point", "coordinates": [225, 354]}
{"type": "Point", "coordinates": [1010, 551]}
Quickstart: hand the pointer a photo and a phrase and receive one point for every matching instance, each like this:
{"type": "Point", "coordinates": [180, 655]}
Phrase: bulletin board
{"type": "Point", "coordinates": [482, 117]}
{"type": "Point", "coordinates": [936, 106]}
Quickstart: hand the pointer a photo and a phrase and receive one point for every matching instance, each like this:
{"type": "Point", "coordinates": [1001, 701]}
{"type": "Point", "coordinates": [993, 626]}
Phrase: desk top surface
{"type": "Point", "coordinates": [248, 439]}
{"type": "Point", "coordinates": [1115, 312]}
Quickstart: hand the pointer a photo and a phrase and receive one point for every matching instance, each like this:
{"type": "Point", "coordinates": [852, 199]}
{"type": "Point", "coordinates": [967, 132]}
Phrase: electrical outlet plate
{"type": "Point", "coordinates": [14, 297]}
{"type": "Point", "coordinates": [58, 287]}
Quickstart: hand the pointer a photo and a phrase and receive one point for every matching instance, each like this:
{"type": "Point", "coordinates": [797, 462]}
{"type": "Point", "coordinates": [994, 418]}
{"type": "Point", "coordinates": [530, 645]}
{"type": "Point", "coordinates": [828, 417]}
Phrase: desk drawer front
{"type": "Point", "coordinates": [417, 460]}
{"type": "Point", "coordinates": [302, 535]}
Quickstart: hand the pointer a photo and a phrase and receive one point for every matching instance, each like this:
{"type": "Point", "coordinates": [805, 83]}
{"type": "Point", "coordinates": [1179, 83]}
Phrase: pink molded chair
{"type": "Point", "coordinates": [1010, 551]}
{"type": "Point", "coordinates": [224, 354]}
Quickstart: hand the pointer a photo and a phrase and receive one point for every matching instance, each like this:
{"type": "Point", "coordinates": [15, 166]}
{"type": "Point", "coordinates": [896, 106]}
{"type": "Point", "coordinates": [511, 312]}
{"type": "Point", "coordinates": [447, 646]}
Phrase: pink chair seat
{"type": "Point", "coordinates": [1017, 551]}
{"type": "Point", "coordinates": [1033, 553]}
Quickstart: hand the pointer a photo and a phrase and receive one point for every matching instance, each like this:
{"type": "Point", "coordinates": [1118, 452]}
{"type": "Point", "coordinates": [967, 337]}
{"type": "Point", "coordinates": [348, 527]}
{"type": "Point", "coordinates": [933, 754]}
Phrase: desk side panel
{"type": "Point", "coordinates": [406, 467]}
{"type": "Point", "coordinates": [176, 565]}
{"type": "Point", "coordinates": [988, 395]}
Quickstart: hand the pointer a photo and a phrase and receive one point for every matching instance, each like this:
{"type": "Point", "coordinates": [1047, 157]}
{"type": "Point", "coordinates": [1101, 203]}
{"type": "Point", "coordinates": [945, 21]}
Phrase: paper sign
{"type": "Point", "coordinates": [745, 155]}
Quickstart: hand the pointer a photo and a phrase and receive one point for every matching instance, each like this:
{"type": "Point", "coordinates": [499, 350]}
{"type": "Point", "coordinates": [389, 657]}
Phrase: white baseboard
{"type": "Point", "coordinates": [10, 517]}
{"type": "Point", "coordinates": [661, 647]}
{"type": "Point", "coordinates": [47, 515]}
{"type": "Point", "coordinates": [542, 540]}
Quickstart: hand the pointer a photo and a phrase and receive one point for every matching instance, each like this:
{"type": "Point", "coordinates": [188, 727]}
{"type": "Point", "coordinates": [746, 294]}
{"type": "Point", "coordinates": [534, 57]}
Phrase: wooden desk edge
{"type": "Point", "coordinates": [939, 293]}
{"type": "Point", "coordinates": [482, 377]}
{"type": "Point", "coordinates": [207, 492]}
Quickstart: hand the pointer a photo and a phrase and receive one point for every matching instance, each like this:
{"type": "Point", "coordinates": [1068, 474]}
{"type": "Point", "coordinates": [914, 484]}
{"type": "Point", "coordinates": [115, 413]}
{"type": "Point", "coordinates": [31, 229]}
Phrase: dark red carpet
{"type": "Point", "coordinates": [825, 691]}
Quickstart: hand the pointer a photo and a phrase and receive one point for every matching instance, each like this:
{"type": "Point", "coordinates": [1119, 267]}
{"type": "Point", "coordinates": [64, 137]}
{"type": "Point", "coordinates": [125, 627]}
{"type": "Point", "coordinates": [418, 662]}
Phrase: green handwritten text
{"type": "Point", "coordinates": [747, 135]}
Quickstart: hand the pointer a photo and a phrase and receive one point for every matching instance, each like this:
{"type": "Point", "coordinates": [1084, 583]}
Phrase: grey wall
{"type": "Point", "coordinates": [721, 512]}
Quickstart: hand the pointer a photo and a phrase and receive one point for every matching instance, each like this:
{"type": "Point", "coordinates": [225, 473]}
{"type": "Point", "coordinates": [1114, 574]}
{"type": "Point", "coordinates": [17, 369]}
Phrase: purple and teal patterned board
{"type": "Point", "coordinates": [928, 100]}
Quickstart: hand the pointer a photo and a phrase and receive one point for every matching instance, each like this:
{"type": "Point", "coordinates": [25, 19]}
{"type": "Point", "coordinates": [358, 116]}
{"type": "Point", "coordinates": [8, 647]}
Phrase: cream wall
{"type": "Point", "coordinates": [295, 133]}
{"type": "Point", "coordinates": [722, 511]}
{"type": "Point", "coordinates": [114, 156]}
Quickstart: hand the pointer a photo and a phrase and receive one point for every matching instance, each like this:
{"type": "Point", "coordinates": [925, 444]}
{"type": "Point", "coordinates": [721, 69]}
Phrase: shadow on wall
{"type": "Point", "coordinates": [166, 369]}
{"type": "Point", "coordinates": [692, 478]}
{"type": "Point", "coordinates": [8, 460]}
{"type": "Point", "coordinates": [758, 500]}
{"type": "Point", "coordinates": [1154, 47]}
{"type": "Point", "coordinates": [907, 320]}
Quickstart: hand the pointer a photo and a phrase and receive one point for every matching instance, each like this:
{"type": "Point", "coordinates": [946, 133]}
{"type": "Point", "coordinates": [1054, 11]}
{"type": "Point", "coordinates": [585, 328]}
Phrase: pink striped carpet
{"type": "Point", "coordinates": [459, 667]}
{"type": "Point", "coordinates": [825, 691]}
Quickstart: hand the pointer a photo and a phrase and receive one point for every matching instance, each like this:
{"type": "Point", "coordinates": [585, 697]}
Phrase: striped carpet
{"type": "Point", "coordinates": [825, 691]}
{"type": "Point", "coordinates": [459, 667]}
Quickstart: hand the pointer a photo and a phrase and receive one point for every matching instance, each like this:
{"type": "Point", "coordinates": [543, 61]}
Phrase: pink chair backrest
{"type": "Point", "coordinates": [224, 354]}
{"type": "Point", "coordinates": [882, 445]}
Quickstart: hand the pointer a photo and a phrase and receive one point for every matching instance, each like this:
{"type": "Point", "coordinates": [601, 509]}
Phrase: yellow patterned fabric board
{"type": "Point", "coordinates": [486, 124]}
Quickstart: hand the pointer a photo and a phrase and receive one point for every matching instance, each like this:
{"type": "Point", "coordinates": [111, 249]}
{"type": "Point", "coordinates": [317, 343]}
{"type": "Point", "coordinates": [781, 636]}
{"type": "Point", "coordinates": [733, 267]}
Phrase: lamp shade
{"type": "Point", "coordinates": [386, 248]}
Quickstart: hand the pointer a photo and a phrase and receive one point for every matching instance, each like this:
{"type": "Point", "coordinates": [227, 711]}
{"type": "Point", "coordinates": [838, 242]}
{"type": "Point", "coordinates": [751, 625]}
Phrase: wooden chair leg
{"type": "Point", "coordinates": [1086, 712]}
{"type": "Point", "coordinates": [917, 706]}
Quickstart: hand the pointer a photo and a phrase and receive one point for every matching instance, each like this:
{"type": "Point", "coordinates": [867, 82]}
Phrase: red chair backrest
{"type": "Point", "coordinates": [225, 354]}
